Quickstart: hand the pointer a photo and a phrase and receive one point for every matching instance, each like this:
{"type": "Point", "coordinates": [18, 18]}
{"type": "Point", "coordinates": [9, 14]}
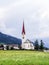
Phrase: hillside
{"type": "Point", "coordinates": [7, 39]}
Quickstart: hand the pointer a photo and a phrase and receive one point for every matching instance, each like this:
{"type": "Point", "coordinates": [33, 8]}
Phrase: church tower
{"type": "Point", "coordinates": [23, 35]}
{"type": "Point", "coordinates": [26, 43]}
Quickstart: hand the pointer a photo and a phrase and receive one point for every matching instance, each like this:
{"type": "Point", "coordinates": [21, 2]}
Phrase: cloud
{"type": "Point", "coordinates": [6, 30]}
{"type": "Point", "coordinates": [34, 12]}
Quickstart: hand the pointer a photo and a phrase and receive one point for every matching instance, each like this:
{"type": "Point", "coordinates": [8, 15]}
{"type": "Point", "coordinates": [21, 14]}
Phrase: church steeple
{"type": "Point", "coordinates": [23, 29]}
{"type": "Point", "coordinates": [23, 35]}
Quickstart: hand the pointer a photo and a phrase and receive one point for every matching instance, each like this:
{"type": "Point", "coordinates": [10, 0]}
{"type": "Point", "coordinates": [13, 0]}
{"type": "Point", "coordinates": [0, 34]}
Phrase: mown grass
{"type": "Point", "coordinates": [23, 58]}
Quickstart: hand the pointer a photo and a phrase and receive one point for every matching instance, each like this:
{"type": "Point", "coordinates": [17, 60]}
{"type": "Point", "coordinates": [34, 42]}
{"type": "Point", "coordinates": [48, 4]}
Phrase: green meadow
{"type": "Point", "coordinates": [18, 57]}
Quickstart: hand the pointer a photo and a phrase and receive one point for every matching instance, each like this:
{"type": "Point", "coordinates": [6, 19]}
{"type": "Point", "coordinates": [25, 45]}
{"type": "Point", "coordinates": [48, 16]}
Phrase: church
{"type": "Point", "coordinates": [26, 43]}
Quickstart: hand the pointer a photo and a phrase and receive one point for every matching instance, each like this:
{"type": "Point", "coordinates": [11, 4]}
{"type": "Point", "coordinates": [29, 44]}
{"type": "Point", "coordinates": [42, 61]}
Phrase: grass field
{"type": "Point", "coordinates": [24, 58]}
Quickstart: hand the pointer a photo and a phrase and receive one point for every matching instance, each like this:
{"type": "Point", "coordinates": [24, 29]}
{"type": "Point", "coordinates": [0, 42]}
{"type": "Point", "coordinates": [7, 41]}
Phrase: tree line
{"type": "Point", "coordinates": [39, 46]}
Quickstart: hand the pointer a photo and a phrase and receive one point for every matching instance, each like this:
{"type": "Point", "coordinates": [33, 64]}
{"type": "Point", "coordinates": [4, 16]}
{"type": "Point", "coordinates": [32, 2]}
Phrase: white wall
{"type": "Point", "coordinates": [28, 46]}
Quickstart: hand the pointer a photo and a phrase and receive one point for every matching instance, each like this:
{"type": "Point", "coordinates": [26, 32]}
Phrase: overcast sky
{"type": "Point", "coordinates": [35, 14]}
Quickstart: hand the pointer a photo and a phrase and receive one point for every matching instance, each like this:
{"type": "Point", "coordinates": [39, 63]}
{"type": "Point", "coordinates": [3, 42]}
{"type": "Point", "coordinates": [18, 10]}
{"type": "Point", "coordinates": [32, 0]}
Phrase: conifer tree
{"type": "Point", "coordinates": [36, 45]}
{"type": "Point", "coordinates": [41, 45]}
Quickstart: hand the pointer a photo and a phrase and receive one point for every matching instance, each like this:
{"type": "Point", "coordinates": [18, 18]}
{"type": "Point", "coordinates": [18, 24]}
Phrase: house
{"type": "Point", "coordinates": [11, 46]}
{"type": "Point", "coordinates": [26, 43]}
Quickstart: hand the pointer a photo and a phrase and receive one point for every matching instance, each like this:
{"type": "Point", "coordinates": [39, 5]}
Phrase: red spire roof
{"type": "Point", "coordinates": [23, 29]}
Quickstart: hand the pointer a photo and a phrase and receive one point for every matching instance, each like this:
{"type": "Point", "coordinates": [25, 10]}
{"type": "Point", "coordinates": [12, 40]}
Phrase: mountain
{"type": "Point", "coordinates": [7, 39]}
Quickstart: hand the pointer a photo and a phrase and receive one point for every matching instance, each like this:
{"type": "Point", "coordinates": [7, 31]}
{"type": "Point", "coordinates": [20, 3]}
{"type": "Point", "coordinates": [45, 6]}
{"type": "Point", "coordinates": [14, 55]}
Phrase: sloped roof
{"type": "Point", "coordinates": [28, 41]}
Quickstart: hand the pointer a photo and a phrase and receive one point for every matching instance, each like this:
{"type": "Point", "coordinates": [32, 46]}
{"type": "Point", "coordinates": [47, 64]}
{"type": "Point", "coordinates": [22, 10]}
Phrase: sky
{"type": "Point", "coordinates": [34, 13]}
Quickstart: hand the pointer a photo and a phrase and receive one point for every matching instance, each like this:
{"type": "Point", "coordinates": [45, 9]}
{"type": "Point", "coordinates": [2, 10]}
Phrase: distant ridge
{"type": "Point", "coordinates": [7, 39]}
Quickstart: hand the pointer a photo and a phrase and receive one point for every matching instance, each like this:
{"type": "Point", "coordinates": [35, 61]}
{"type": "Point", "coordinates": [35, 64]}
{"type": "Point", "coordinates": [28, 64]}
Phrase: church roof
{"type": "Point", "coordinates": [23, 29]}
{"type": "Point", "coordinates": [28, 41]}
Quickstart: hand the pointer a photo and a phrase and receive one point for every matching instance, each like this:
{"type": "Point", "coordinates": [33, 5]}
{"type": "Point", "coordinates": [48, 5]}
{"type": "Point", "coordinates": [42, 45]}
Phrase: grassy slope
{"type": "Point", "coordinates": [24, 58]}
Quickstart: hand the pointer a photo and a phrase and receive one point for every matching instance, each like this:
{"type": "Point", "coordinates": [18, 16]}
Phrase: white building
{"type": "Point", "coordinates": [10, 46]}
{"type": "Point", "coordinates": [26, 44]}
